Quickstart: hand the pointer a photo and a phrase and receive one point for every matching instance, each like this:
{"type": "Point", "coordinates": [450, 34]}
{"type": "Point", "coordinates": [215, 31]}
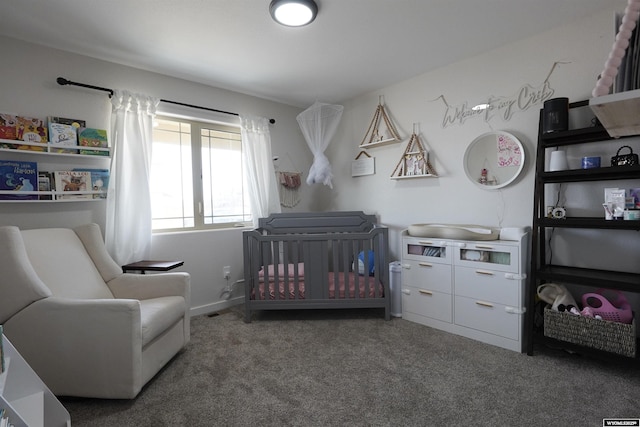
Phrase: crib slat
{"type": "Point", "coordinates": [296, 273]}
{"type": "Point", "coordinates": [347, 265]}
{"type": "Point", "coordinates": [335, 257]}
{"type": "Point", "coordinates": [381, 266]}
{"type": "Point", "coordinates": [366, 247]}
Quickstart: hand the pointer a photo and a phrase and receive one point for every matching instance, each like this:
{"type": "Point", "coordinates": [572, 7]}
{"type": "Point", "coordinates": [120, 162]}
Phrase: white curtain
{"type": "Point", "coordinates": [318, 124]}
{"type": "Point", "coordinates": [128, 222]}
{"type": "Point", "coordinates": [257, 163]}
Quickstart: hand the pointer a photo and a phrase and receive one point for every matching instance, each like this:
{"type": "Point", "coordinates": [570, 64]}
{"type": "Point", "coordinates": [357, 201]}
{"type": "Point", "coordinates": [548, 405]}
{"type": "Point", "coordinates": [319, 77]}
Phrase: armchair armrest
{"type": "Point", "coordinates": [82, 336]}
{"type": "Point", "coordinates": [146, 286]}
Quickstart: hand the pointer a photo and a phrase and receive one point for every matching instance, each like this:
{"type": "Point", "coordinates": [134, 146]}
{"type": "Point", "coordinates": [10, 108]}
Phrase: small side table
{"type": "Point", "coordinates": [143, 266]}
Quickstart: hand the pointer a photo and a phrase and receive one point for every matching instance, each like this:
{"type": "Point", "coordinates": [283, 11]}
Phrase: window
{"type": "Point", "coordinates": [196, 176]}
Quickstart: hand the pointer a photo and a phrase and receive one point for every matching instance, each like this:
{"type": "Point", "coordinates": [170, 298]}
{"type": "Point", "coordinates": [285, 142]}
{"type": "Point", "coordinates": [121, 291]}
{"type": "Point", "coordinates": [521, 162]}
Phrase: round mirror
{"type": "Point", "coordinates": [493, 160]}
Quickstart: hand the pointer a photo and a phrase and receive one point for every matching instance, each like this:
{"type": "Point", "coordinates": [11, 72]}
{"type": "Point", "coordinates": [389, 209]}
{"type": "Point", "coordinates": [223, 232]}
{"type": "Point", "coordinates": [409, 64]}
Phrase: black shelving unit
{"type": "Point", "coordinates": [541, 270]}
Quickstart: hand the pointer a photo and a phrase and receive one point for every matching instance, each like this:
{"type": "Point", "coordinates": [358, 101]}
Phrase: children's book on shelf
{"type": "Point", "coordinates": [99, 181]}
{"type": "Point", "coordinates": [61, 135]}
{"type": "Point", "coordinates": [94, 138]}
{"type": "Point", "coordinates": [77, 183]}
{"type": "Point", "coordinates": [32, 130]}
{"type": "Point", "coordinates": [76, 123]}
{"type": "Point", "coordinates": [44, 184]}
{"type": "Point", "coordinates": [8, 129]}
{"type": "Point", "coordinates": [18, 177]}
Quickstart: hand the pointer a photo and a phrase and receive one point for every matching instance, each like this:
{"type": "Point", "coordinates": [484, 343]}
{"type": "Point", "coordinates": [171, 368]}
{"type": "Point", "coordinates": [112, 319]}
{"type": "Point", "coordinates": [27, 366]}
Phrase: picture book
{"type": "Point", "coordinates": [93, 138]}
{"type": "Point", "coordinates": [76, 123]}
{"type": "Point", "coordinates": [8, 127]}
{"type": "Point", "coordinates": [99, 181]}
{"type": "Point", "coordinates": [77, 183]}
{"type": "Point", "coordinates": [44, 184]}
{"type": "Point", "coordinates": [31, 130]}
{"type": "Point", "coordinates": [61, 135]}
{"type": "Point", "coordinates": [17, 177]}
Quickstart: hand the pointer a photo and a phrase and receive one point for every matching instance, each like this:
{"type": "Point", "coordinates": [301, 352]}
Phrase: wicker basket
{"type": "Point", "coordinates": [614, 337]}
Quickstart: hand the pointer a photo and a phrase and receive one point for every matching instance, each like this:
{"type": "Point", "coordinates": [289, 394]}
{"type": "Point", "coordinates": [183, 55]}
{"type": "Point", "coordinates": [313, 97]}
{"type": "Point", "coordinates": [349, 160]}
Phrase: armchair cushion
{"type": "Point", "coordinates": [158, 314]}
{"type": "Point", "coordinates": [62, 262]}
{"type": "Point", "coordinates": [16, 268]}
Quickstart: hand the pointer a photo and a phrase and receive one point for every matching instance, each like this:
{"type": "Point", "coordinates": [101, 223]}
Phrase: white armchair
{"type": "Point", "coordinates": [86, 328]}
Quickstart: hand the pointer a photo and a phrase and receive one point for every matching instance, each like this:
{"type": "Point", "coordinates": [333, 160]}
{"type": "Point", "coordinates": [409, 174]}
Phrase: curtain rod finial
{"type": "Point", "coordinates": [62, 81]}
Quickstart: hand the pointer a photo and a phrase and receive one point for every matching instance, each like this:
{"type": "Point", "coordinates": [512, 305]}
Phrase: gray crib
{"type": "Point", "coordinates": [316, 261]}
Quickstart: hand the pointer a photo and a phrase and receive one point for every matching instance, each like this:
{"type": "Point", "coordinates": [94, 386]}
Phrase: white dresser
{"type": "Point", "coordinates": [471, 288]}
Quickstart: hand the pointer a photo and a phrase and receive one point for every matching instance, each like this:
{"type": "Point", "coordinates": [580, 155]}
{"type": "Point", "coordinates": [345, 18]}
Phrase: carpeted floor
{"type": "Point", "coordinates": [353, 368]}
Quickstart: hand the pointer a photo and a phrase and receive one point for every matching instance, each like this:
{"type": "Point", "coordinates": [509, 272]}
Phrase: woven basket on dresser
{"type": "Point", "coordinates": [614, 337]}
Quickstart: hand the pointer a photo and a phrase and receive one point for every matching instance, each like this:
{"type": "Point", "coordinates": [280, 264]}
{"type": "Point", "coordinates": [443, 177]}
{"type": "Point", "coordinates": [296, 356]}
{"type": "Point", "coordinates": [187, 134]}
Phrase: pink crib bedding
{"type": "Point", "coordinates": [346, 286]}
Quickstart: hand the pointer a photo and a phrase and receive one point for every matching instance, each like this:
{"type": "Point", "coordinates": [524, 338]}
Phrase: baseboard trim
{"type": "Point", "coordinates": [216, 306]}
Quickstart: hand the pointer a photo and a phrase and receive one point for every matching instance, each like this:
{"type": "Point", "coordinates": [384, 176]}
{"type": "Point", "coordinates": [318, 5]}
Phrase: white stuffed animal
{"type": "Point", "coordinates": [555, 294]}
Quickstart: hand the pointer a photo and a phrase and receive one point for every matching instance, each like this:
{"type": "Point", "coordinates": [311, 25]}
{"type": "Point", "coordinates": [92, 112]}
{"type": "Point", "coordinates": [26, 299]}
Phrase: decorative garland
{"type": "Point", "coordinates": [618, 50]}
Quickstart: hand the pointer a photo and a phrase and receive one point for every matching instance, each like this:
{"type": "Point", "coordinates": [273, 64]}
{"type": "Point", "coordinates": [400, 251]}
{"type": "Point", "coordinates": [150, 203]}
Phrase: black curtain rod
{"type": "Point", "coordinates": [63, 82]}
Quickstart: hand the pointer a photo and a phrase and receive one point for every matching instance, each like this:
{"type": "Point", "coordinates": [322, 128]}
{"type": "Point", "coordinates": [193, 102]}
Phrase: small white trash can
{"type": "Point", "coordinates": [395, 286]}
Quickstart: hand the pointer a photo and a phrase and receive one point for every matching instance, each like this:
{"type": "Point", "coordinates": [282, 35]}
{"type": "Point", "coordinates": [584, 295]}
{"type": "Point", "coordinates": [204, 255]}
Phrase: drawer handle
{"type": "Point", "coordinates": [514, 310]}
{"type": "Point", "coordinates": [406, 266]}
{"type": "Point", "coordinates": [425, 264]}
{"type": "Point", "coordinates": [431, 243]}
{"type": "Point", "coordinates": [486, 273]}
{"type": "Point", "coordinates": [484, 247]}
{"type": "Point", "coordinates": [406, 291]}
{"type": "Point", "coordinates": [423, 292]}
{"type": "Point", "coordinates": [484, 304]}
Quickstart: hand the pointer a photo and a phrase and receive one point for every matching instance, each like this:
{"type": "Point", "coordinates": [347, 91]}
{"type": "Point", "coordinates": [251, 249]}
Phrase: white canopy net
{"type": "Point", "coordinates": [318, 124]}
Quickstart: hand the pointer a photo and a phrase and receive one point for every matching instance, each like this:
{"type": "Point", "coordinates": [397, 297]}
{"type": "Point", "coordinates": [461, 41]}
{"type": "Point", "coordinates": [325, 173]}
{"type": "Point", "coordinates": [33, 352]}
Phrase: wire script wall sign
{"type": "Point", "coordinates": [504, 107]}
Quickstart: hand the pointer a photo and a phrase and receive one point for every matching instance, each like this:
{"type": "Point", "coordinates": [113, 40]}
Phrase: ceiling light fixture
{"type": "Point", "coordinates": [293, 13]}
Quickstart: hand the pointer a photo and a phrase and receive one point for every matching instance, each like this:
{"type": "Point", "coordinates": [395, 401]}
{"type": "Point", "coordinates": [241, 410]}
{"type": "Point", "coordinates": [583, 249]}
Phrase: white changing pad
{"type": "Point", "coordinates": [454, 231]}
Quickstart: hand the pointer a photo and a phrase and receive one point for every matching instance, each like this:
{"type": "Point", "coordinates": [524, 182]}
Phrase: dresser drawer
{"type": "Point", "coordinates": [433, 304]}
{"type": "Point", "coordinates": [494, 286]}
{"type": "Point", "coordinates": [427, 275]}
{"type": "Point", "coordinates": [487, 317]}
{"type": "Point", "coordinates": [425, 249]}
{"type": "Point", "coordinates": [487, 255]}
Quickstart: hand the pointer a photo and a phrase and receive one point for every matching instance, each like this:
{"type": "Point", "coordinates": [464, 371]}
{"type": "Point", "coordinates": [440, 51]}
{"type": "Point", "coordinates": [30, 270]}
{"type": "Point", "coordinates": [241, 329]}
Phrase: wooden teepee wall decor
{"type": "Point", "coordinates": [414, 162]}
{"type": "Point", "coordinates": [374, 135]}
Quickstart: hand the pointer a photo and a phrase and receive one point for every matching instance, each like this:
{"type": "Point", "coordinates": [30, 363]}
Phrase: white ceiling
{"type": "Point", "coordinates": [353, 47]}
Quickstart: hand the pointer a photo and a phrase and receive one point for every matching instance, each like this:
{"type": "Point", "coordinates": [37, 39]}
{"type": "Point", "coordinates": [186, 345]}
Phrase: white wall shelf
{"type": "Point", "coordinates": [618, 112]}
{"type": "Point", "coordinates": [52, 196]}
{"type": "Point", "coordinates": [11, 145]}
{"type": "Point", "coordinates": [49, 154]}
{"type": "Point", "coordinates": [427, 175]}
{"type": "Point", "coordinates": [379, 143]}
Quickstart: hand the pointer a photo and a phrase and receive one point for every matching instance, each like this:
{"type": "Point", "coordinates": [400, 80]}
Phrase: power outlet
{"type": "Point", "coordinates": [226, 272]}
